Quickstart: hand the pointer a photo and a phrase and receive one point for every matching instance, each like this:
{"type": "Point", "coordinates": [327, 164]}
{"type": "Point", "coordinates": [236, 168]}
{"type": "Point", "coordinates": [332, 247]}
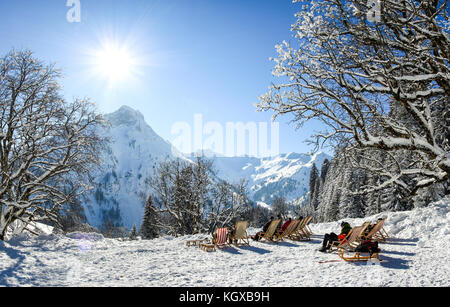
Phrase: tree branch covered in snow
{"type": "Point", "coordinates": [374, 85]}
{"type": "Point", "coordinates": [188, 199]}
{"type": "Point", "coordinates": [47, 146]}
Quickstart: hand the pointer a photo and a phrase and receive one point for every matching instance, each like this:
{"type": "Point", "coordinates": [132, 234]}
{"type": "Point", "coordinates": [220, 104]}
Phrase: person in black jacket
{"type": "Point", "coordinates": [332, 237]}
{"type": "Point", "coordinates": [257, 236]}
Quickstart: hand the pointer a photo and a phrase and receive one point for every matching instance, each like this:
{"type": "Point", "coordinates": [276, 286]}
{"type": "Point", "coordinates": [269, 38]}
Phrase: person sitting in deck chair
{"type": "Point", "coordinates": [265, 227]}
{"type": "Point", "coordinates": [371, 226]}
{"type": "Point", "coordinates": [282, 226]}
{"type": "Point", "coordinates": [286, 224]}
{"type": "Point", "coordinates": [279, 225]}
{"type": "Point", "coordinates": [231, 232]}
{"type": "Point", "coordinates": [332, 237]}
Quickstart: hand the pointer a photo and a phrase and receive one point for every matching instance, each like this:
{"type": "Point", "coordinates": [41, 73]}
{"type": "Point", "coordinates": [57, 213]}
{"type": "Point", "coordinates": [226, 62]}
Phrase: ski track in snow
{"type": "Point", "coordinates": [416, 255]}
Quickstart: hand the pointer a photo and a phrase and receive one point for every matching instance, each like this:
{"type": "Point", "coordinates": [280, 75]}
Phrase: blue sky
{"type": "Point", "coordinates": [205, 57]}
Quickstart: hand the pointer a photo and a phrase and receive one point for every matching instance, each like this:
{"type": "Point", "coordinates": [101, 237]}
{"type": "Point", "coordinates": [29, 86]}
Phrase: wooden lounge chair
{"type": "Point", "coordinates": [377, 233]}
{"type": "Point", "coordinates": [350, 246]}
{"type": "Point", "coordinates": [306, 228]}
{"type": "Point", "coordinates": [269, 235]}
{"type": "Point", "coordinates": [300, 234]}
{"type": "Point", "coordinates": [240, 234]}
{"type": "Point", "coordinates": [353, 238]}
{"type": "Point", "coordinates": [219, 240]}
{"type": "Point", "coordinates": [350, 242]}
{"type": "Point", "coordinates": [289, 230]}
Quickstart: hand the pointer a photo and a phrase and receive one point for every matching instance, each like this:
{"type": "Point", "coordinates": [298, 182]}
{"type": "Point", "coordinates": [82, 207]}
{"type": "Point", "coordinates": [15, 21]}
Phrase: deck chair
{"type": "Point", "coordinates": [377, 233]}
{"type": "Point", "coordinates": [306, 228]}
{"type": "Point", "coordinates": [351, 244]}
{"type": "Point", "coordinates": [219, 240]}
{"type": "Point", "coordinates": [300, 234]}
{"type": "Point", "coordinates": [240, 234]}
{"type": "Point", "coordinates": [288, 231]}
{"type": "Point", "coordinates": [269, 235]}
{"type": "Point", "coordinates": [353, 238]}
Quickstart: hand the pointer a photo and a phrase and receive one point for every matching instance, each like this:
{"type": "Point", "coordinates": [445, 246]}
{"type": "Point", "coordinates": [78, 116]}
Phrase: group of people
{"type": "Point", "coordinates": [328, 239]}
{"type": "Point", "coordinates": [280, 227]}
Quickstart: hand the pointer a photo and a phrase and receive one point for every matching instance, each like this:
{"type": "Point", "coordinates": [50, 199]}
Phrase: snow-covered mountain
{"type": "Point", "coordinates": [283, 175]}
{"type": "Point", "coordinates": [130, 159]}
{"type": "Point", "coordinates": [135, 150]}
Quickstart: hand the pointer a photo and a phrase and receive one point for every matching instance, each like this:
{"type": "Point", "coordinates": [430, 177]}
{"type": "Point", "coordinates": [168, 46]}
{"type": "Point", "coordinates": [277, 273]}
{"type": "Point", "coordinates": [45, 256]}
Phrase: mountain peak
{"type": "Point", "coordinates": [125, 116]}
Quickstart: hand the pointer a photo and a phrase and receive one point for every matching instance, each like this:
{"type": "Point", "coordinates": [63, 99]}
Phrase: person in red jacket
{"type": "Point", "coordinates": [286, 224]}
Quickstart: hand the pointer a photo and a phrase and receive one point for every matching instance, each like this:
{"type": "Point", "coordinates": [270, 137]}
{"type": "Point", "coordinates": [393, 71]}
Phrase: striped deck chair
{"type": "Point", "coordinates": [240, 234]}
{"type": "Point", "coordinates": [377, 233]}
{"type": "Point", "coordinates": [221, 237]}
{"type": "Point", "coordinates": [219, 240]}
{"type": "Point", "coordinates": [288, 231]}
{"type": "Point", "coordinates": [269, 234]}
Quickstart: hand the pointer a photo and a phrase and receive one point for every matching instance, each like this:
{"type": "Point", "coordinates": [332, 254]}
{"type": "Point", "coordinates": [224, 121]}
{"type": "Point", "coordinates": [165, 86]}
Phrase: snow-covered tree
{"type": "Point", "coordinates": [313, 177]}
{"type": "Point", "coordinates": [190, 200]}
{"type": "Point", "coordinates": [149, 230]}
{"type": "Point", "coordinates": [324, 169]}
{"type": "Point", "coordinates": [350, 72]}
{"type": "Point", "coordinates": [48, 146]}
{"type": "Point", "coordinates": [133, 233]}
{"type": "Point", "coordinates": [280, 207]}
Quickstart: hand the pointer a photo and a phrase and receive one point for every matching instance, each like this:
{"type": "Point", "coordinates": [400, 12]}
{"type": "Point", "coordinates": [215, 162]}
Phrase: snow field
{"type": "Point", "coordinates": [417, 255]}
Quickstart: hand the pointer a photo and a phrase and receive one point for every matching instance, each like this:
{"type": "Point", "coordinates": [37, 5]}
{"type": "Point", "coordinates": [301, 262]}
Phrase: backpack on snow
{"type": "Point", "coordinates": [368, 246]}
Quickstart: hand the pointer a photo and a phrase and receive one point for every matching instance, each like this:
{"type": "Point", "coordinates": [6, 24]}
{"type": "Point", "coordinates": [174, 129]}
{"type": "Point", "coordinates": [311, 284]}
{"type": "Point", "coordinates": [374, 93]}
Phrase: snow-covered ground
{"type": "Point", "coordinates": [417, 255]}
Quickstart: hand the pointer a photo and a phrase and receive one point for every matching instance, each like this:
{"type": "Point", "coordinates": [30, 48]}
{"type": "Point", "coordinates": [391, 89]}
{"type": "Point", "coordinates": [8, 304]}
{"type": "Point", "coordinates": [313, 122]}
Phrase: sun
{"type": "Point", "coordinates": [114, 63]}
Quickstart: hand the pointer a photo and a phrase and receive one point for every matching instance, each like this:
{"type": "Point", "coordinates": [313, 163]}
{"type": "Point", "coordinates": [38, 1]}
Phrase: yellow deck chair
{"type": "Point", "coordinates": [377, 233]}
{"type": "Point", "coordinates": [352, 241]}
{"type": "Point", "coordinates": [308, 230]}
{"type": "Point", "coordinates": [240, 234]}
{"type": "Point", "coordinates": [300, 234]}
{"type": "Point", "coordinates": [269, 235]}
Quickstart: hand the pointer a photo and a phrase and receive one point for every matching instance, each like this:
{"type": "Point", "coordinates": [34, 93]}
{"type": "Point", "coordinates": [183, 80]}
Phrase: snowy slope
{"type": "Point", "coordinates": [415, 256]}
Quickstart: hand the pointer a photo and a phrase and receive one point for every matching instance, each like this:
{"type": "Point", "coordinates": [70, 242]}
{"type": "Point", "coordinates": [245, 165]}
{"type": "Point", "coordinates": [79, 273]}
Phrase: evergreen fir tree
{"type": "Point", "coordinates": [317, 191]}
{"type": "Point", "coordinates": [314, 175]}
{"type": "Point", "coordinates": [148, 229]}
{"type": "Point", "coordinates": [133, 233]}
{"type": "Point", "coordinates": [324, 170]}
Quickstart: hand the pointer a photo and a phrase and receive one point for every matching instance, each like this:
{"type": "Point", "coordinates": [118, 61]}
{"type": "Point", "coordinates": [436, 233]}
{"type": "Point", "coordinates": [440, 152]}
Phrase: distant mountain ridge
{"type": "Point", "coordinates": [135, 150]}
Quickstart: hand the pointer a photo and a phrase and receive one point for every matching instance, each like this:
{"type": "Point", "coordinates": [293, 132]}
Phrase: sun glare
{"type": "Point", "coordinates": [114, 63]}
